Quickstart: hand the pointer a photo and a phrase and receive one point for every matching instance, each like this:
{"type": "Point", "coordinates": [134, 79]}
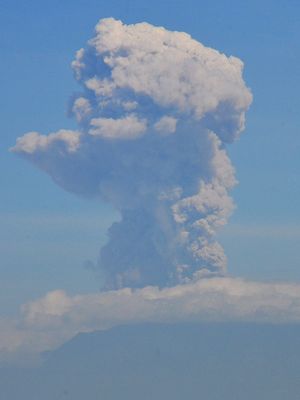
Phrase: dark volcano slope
{"type": "Point", "coordinates": [166, 362]}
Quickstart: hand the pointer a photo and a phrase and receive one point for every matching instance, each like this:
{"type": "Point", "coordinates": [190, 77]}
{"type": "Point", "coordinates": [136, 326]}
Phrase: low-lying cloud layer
{"type": "Point", "coordinates": [155, 112]}
{"type": "Point", "coordinates": [55, 318]}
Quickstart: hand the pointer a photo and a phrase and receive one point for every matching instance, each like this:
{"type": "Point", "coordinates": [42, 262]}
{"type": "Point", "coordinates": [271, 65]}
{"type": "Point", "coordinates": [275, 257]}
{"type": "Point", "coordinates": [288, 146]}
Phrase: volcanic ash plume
{"type": "Point", "coordinates": [155, 113]}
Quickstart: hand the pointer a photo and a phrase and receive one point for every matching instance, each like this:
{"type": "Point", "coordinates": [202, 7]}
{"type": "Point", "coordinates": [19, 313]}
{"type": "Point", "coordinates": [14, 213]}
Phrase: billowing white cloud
{"type": "Point", "coordinates": [155, 113]}
{"type": "Point", "coordinates": [171, 68]}
{"type": "Point", "coordinates": [33, 142]}
{"type": "Point", "coordinates": [81, 108]}
{"type": "Point", "coordinates": [49, 321]}
{"type": "Point", "coordinates": [129, 127]}
{"type": "Point", "coordinates": [166, 125]}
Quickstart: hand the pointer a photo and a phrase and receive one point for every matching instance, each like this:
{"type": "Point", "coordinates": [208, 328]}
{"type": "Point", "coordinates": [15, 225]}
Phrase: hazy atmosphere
{"type": "Point", "coordinates": [150, 200]}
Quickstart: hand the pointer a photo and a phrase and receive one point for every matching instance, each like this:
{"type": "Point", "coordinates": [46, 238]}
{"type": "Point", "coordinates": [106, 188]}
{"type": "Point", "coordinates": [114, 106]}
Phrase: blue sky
{"type": "Point", "coordinates": [47, 235]}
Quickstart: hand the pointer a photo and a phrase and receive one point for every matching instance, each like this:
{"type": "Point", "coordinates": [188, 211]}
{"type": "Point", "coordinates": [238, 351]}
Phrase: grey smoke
{"type": "Point", "coordinates": [157, 109]}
